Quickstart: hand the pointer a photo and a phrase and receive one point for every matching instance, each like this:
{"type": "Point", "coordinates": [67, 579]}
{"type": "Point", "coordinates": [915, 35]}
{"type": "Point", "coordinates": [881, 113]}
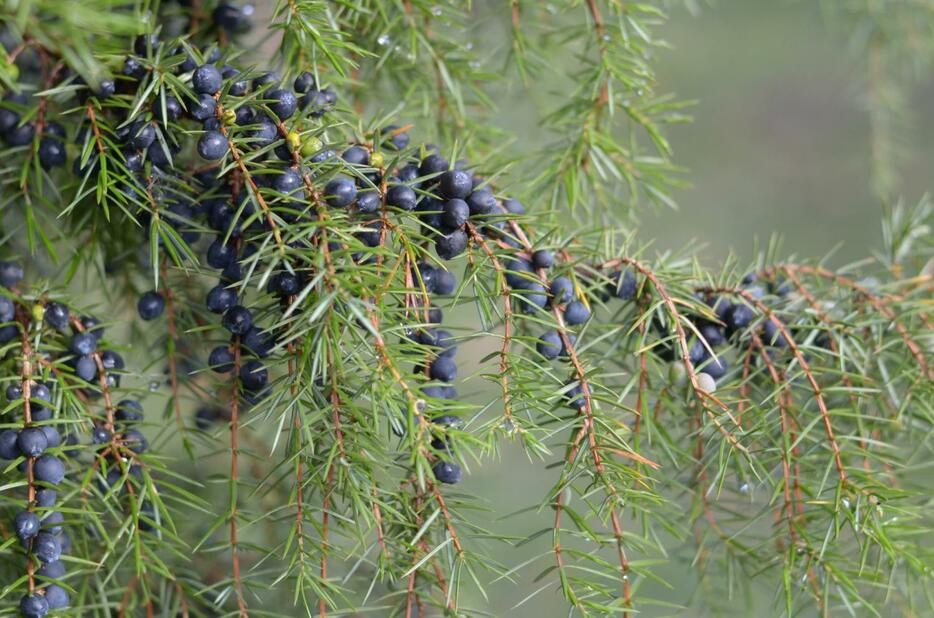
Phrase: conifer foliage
{"type": "Point", "coordinates": [298, 275]}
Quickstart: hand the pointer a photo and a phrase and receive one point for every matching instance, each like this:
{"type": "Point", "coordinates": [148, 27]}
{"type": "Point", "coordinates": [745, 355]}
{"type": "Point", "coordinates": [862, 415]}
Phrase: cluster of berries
{"type": "Point", "coordinates": [729, 321]}
{"type": "Point", "coordinates": [72, 356]}
{"type": "Point", "coordinates": [35, 448]}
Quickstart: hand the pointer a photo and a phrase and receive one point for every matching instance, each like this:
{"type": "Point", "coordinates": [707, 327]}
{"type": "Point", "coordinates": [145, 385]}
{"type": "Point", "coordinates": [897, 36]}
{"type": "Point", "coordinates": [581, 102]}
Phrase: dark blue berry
{"type": "Point", "coordinates": [14, 391]}
{"type": "Point", "coordinates": [284, 104]}
{"type": "Point", "coordinates": [212, 145]}
{"type": "Point", "coordinates": [144, 42]}
{"type": "Point", "coordinates": [32, 442]}
{"type": "Point", "coordinates": [159, 156]}
{"type": "Point", "coordinates": [574, 398]}
{"type": "Point", "coordinates": [443, 369]}
{"type": "Point", "coordinates": [7, 309]}
{"type": "Point", "coordinates": [534, 299]}
{"type": "Point", "coordinates": [231, 17]}
{"type": "Point", "coordinates": [173, 109]}
{"type": "Point", "coordinates": [203, 108]}
{"type": "Point", "coordinates": [253, 375]}
{"type": "Point", "coordinates": [454, 214]}
{"type": "Point", "coordinates": [8, 444]}
{"type": "Point", "coordinates": [56, 596]}
{"type": "Point", "coordinates": [514, 206]}
{"type": "Point", "coordinates": [265, 132]}
{"type": "Point", "coordinates": [47, 547]}
{"type": "Point", "coordinates": [455, 184]}
{"type": "Point", "coordinates": [142, 136]}
{"type": "Point", "coordinates": [33, 606]}
{"type": "Point", "coordinates": [721, 306]}
{"type": "Point", "coordinates": [150, 305]}
{"type": "Point", "coordinates": [259, 342]}
{"type": "Point", "coordinates": [713, 334]}
{"type": "Point", "coordinates": [407, 173]}
{"type": "Point", "coordinates": [238, 320]}
{"type": "Point", "coordinates": [9, 118]}
{"type": "Point", "coordinates": [133, 68]}
{"type": "Point", "coordinates": [270, 77]}
{"type": "Point", "coordinates": [221, 359]}
{"type": "Point", "coordinates": [20, 135]}
{"type": "Point", "coordinates": [106, 89]}
{"type": "Point", "coordinates": [53, 522]}
{"type": "Point", "coordinates": [519, 273]}
{"type": "Point", "coordinates": [340, 192]}
{"type": "Point", "coordinates": [286, 284]}
{"type": "Point", "coordinates": [401, 196]}
{"type": "Point", "coordinates": [356, 155]}
{"type": "Point", "coordinates": [205, 417]}
{"type": "Point", "coordinates": [368, 201]}
{"type": "Point", "coordinates": [129, 411]}
{"type": "Point", "coordinates": [543, 258]}
{"type": "Point", "coordinates": [549, 345]}
{"type": "Point", "coordinates": [46, 497]}
{"type": "Point", "coordinates": [624, 285]}
{"type": "Point", "coordinates": [207, 79]}
{"type": "Point", "coordinates": [481, 201]}
{"type": "Point", "coordinates": [51, 153]}
{"type": "Point", "coordinates": [52, 437]}
{"type": "Point", "coordinates": [93, 326]}
{"type": "Point", "coordinates": [424, 274]}
{"type": "Point", "coordinates": [52, 570]}
{"type": "Point", "coordinates": [40, 391]}
{"type": "Point", "coordinates": [221, 298]}
{"type": "Point", "coordinates": [10, 274]}
{"type": "Point", "coordinates": [85, 368]}
{"type": "Point", "coordinates": [133, 160]}
{"type": "Point", "coordinates": [100, 435]}
{"type": "Point", "coordinates": [304, 82]}
{"type": "Point", "coordinates": [451, 245]}
{"type": "Point", "coordinates": [288, 182]}
{"type": "Point", "coordinates": [8, 333]}
{"type": "Point", "coordinates": [220, 254]}
{"type": "Point", "coordinates": [135, 440]}
{"type": "Point", "coordinates": [26, 525]}
{"type": "Point", "coordinates": [83, 343]}
{"type": "Point", "coordinates": [447, 472]}
{"type": "Point", "coordinates": [445, 283]}
{"type": "Point", "coordinates": [576, 313]}
{"type": "Point", "coordinates": [392, 138]}
{"type": "Point", "coordinates": [715, 367]}
{"type": "Point", "coordinates": [773, 335]}
{"type": "Point", "coordinates": [739, 317]}
{"type": "Point", "coordinates": [433, 164]}
{"type": "Point", "coordinates": [49, 469]}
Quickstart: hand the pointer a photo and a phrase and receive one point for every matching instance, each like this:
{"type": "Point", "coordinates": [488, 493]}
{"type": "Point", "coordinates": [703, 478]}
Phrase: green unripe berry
{"type": "Point", "coordinates": [294, 140]}
{"type": "Point", "coordinates": [229, 117]}
{"type": "Point", "coordinates": [377, 159]}
{"type": "Point", "coordinates": [311, 146]}
{"type": "Point", "coordinates": [677, 374]}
